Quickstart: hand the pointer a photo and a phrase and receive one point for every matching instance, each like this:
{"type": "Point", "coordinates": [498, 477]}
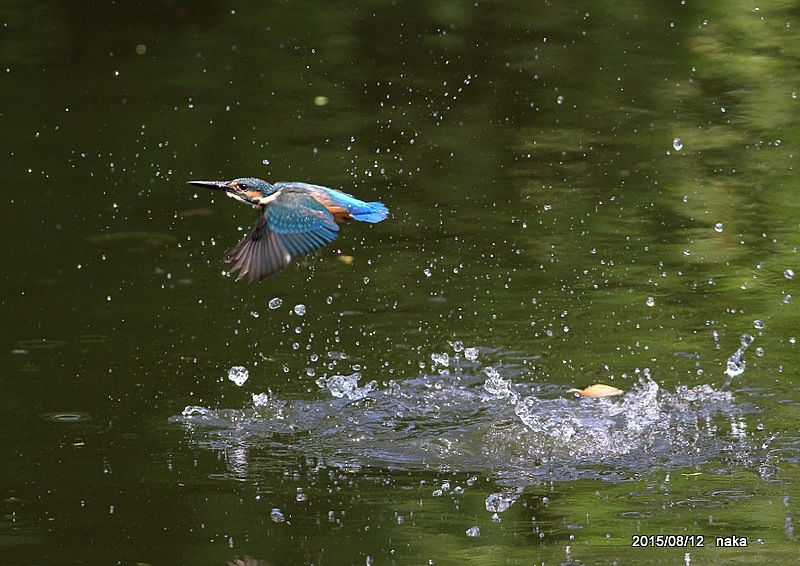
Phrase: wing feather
{"type": "Point", "coordinates": [291, 225]}
{"type": "Point", "coordinates": [342, 205]}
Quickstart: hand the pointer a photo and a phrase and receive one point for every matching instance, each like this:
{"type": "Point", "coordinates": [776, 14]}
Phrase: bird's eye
{"type": "Point", "coordinates": [243, 186]}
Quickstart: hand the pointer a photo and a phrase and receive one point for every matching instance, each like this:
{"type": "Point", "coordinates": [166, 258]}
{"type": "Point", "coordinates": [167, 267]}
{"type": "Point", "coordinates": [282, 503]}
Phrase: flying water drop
{"type": "Point", "coordinates": [499, 502]}
{"type": "Point", "coordinates": [474, 531]}
{"type": "Point", "coordinates": [238, 375]}
{"type": "Point", "coordinates": [736, 362]}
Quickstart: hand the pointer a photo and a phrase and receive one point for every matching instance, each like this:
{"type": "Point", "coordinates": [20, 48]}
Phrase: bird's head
{"type": "Point", "coordinates": [248, 190]}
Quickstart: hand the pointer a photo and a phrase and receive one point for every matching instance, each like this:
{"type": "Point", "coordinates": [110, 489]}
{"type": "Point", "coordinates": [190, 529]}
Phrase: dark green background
{"type": "Point", "coordinates": [525, 151]}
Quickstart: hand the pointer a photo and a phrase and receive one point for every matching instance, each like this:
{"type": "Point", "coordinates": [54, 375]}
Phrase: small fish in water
{"type": "Point", "coordinates": [295, 219]}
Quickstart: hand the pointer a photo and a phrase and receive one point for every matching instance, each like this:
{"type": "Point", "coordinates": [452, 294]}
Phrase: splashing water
{"type": "Point", "coordinates": [442, 359]}
{"type": "Point", "coordinates": [498, 386]}
{"type": "Point", "coordinates": [499, 502]}
{"type": "Point", "coordinates": [481, 421]}
{"type": "Point", "coordinates": [736, 363]}
{"type": "Point", "coordinates": [346, 386]}
{"type": "Point", "coordinates": [238, 375]}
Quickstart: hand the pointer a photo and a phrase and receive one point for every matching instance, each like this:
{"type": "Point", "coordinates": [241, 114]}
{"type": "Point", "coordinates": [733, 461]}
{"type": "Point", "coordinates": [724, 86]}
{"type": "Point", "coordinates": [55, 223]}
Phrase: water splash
{"type": "Point", "coordinates": [496, 503]}
{"type": "Point", "coordinates": [499, 387]}
{"type": "Point", "coordinates": [239, 375]}
{"type": "Point", "coordinates": [482, 421]}
{"type": "Point", "coordinates": [442, 359]}
{"type": "Point", "coordinates": [736, 363]}
{"type": "Point", "coordinates": [346, 386]}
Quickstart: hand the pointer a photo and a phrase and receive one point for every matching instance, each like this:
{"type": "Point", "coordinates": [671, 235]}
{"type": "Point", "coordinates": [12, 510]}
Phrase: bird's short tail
{"type": "Point", "coordinates": [369, 212]}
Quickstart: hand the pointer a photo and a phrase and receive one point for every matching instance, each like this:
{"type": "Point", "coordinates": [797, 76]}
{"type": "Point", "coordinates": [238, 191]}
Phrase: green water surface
{"type": "Point", "coordinates": [577, 190]}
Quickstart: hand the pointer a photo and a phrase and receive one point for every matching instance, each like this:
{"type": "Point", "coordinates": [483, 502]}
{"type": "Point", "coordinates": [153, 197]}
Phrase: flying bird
{"type": "Point", "coordinates": [295, 219]}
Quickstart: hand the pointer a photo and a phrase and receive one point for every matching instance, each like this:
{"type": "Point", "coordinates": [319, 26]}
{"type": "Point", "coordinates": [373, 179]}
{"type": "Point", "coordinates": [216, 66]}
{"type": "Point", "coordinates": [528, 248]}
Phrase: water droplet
{"type": "Point", "coordinates": [499, 502]}
{"type": "Point", "coordinates": [474, 531]}
{"type": "Point", "coordinates": [238, 375]}
{"type": "Point", "coordinates": [677, 144]}
{"type": "Point", "coordinates": [650, 301]}
{"type": "Point", "coordinates": [759, 352]}
{"type": "Point", "coordinates": [736, 363]}
{"type": "Point", "coordinates": [560, 99]}
{"type": "Point", "coordinates": [718, 227]}
{"type": "Point", "coordinates": [300, 309]}
{"type": "Point", "coordinates": [275, 303]}
{"type": "Point", "coordinates": [787, 299]}
{"type": "Point", "coordinates": [277, 516]}
{"type": "Point", "coordinates": [427, 272]}
{"type": "Point", "coordinates": [471, 354]}
{"type": "Point", "coordinates": [788, 274]}
{"type": "Point", "coordinates": [759, 324]}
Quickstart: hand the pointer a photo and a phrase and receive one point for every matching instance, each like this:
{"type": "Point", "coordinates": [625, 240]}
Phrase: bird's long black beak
{"type": "Point", "coordinates": [231, 188]}
{"type": "Point", "coordinates": [214, 185]}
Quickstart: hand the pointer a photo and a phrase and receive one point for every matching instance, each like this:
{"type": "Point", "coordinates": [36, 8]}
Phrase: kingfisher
{"type": "Point", "coordinates": [295, 219]}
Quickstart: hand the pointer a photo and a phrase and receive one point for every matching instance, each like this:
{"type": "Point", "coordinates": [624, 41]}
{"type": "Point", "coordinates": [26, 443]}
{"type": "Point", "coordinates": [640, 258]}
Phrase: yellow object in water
{"type": "Point", "coordinates": [597, 390]}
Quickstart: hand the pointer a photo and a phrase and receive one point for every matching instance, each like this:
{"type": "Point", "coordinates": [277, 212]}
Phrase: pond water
{"type": "Point", "coordinates": [579, 194]}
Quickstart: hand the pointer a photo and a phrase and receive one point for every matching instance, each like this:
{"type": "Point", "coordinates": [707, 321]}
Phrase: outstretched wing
{"type": "Point", "coordinates": [343, 206]}
{"type": "Point", "coordinates": [292, 224]}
